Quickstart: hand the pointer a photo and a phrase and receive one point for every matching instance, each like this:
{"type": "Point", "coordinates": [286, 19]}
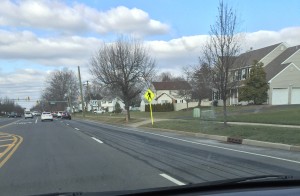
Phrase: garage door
{"type": "Point", "coordinates": [280, 96]}
{"type": "Point", "coordinates": [295, 99]}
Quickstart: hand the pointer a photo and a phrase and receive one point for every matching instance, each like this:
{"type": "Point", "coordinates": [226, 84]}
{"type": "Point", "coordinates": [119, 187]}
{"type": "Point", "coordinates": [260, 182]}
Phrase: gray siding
{"type": "Point", "coordinates": [289, 78]}
{"type": "Point", "coordinates": [295, 58]}
{"type": "Point", "coordinates": [272, 55]}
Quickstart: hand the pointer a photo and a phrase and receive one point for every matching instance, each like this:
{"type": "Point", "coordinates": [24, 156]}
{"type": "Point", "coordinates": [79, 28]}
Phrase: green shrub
{"type": "Point", "coordinates": [165, 107]}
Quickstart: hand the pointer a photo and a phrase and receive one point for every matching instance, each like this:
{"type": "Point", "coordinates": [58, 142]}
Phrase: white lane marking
{"type": "Point", "coordinates": [36, 120]}
{"type": "Point", "coordinates": [209, 145]}
{"type": "Point", "coordinates": [67, 124]}
{"type": "Point", "coordinates": [77, 129]}
{"type": "Point", "coordinates": [97, 140]}
{"type": "Point", "coordinates": [172, 179]}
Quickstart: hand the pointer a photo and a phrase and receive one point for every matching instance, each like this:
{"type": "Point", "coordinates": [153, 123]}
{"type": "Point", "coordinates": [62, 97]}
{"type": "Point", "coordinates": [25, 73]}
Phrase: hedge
{"type": "Point", "coordinates": [165, 107]}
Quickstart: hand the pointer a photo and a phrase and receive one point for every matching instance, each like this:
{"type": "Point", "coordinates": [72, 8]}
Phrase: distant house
{"type": "Point", "coordinates": [110, 102]}
{"type": "Point", "coordinates": [282, 67]}
{"type": "Point", "coordinates": [170, 92]}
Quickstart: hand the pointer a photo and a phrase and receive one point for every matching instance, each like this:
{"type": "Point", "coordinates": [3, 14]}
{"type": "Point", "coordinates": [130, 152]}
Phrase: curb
{"type": "Point", "coordinates": [235, 140]}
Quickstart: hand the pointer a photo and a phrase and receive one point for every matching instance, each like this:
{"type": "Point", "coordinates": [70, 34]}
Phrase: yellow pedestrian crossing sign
{"type": "Point", "coordinates": [149, 95]}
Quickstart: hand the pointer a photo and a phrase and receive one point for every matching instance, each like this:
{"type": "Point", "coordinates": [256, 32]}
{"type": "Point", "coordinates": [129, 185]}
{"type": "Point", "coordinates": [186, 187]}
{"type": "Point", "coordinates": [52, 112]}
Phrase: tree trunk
{"type": "Point", "coordinates": [187, 104]}
{"type": "Point", "coordinates": [199, 103]}
{"type": "Point", "coordinates": [224, 112]}
{"type": "Point", "coordinates": [127, 112]}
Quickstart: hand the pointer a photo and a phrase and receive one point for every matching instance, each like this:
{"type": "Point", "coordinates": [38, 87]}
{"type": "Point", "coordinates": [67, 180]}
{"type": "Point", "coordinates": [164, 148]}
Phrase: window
{"type": "Point", "coordinates": [236, 75]}
{"type": "Point", "coordinates": [244, 74]}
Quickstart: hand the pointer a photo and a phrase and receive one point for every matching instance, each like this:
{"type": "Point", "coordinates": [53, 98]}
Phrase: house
{"type": "Point", "coordinates": [175, 92]}
{"type": "Point", "coordinates": [110, 102]}
{"type": "Point", "coordinates": [171, 91]}
{"type": "Point", "coordinates": [282, 67]}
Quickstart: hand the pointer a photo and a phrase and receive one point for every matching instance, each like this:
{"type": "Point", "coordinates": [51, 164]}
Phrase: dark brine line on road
{"type": "Point", "coordinates": [229, 165]}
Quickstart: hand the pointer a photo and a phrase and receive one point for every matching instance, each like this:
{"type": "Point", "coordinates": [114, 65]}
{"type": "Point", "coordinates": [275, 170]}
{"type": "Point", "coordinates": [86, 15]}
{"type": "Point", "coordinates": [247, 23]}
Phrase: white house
{"type": "Point", "coordinates": [110, 102]}
{"type": "Point", "coordinates": [171, 92]}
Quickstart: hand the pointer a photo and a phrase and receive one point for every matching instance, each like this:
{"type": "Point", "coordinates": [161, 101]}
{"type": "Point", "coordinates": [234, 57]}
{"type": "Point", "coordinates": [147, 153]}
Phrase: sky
{"type": "Point", "coordinates": [39, 37]}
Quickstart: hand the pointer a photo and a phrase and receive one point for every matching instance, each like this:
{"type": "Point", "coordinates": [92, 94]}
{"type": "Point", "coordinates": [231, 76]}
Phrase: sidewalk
{"type": "Point", "coordinates": [264, 124]}
{"type": "Point", "coordinates": [232, 123]}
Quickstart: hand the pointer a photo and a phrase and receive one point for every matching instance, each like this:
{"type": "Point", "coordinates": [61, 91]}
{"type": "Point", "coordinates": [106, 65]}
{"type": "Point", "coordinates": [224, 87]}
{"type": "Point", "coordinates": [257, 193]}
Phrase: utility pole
{"type": "Point", "coordinates": [82, 103]}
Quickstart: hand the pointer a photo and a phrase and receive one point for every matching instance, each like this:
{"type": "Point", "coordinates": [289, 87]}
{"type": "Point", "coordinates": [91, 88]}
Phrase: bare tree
{"type": "Point", "coordinates": [199, 77]}
{"type": "Point", "coordinates": [221, 51]}
{"type": "Point", "coordinates": [62, 87]}
{"type": "Point", "coordinates": [125, 67]}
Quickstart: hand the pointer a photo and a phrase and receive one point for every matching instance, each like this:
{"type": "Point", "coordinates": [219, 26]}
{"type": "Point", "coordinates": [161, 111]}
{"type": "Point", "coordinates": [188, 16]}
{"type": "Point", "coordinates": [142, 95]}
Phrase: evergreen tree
{"type": "Point", "coordinates": [255, 86]}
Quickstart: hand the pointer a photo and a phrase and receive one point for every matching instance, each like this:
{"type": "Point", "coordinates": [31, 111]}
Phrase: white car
{"type": "Point", "coordinates": [46, 116]}
{"type": "Point", "coordinates": [99, 111]}
{"type": "Point", "coordinates": [59, 114]}
{"type": "Point", "coordinates": [28, 114]}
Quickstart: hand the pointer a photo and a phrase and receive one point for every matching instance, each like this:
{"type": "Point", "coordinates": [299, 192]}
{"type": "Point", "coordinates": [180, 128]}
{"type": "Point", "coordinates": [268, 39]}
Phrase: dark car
{"type": "Point", "coordinates": [66, 115]}
{"type": "Point", "coordinates": [12, 115]}
{"type": "Point", "coordinates": [19, 115]}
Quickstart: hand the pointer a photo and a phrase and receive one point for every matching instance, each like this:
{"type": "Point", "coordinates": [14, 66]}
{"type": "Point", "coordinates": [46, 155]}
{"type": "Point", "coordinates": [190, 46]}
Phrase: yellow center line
{"type": "Point", "coordinates": [5, 136]}
{"type": "Point", "coordinates": [6, 140]}
{"type": "Point", "coordinates": [5, 145]}
{"type": "Point", "coordinates": [8, 148]}
{"type": "Point", "coordinates": [12, 151]}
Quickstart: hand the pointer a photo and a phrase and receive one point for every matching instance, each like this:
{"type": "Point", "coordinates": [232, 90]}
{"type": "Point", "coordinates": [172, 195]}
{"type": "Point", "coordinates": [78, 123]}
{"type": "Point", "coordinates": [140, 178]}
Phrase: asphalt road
{"type": "Point", "coordinates": [61, 156]}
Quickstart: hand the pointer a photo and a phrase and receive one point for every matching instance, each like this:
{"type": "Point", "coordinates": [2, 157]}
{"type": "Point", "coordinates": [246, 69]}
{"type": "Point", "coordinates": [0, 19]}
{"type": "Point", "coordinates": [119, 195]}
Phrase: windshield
{"type": "Point", "coordinates": [126, 95]}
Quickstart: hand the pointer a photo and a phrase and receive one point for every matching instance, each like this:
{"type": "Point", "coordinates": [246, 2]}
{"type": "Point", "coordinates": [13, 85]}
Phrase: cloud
{"type": "Point", "coordinates": [58, 16]}
{"type": "Point", "coordinates": [22, 83]}
{"type": "Point", "coordinates": [55, 52]}
{"type": "Point", "coordinates": [62, 50]}
{"type": "Point", "coordinates": [265, 38]}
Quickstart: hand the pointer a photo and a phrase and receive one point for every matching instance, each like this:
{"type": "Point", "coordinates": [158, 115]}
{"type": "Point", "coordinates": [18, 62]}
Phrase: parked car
{"type": "Point", "coordinates": [46, 116]}
{"type": "Point", "coordinates": [19, 115]}
{"type": "Point", "coordinates": [28, 114]}
{"type": "Point", "coordinates": [66, 115]}
{"type": "Point", "coordinates": [99, 111]}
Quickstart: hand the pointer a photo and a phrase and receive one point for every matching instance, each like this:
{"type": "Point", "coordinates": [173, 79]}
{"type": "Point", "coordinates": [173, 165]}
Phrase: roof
{"type": "Point", "coordinates": [275, 66]}
{"type": "Point", "coordinates": [247, 58]}
{"type": "Point", "coordinates": [164, 94]}
{"type": "Point", "coordinates": [172, 85]}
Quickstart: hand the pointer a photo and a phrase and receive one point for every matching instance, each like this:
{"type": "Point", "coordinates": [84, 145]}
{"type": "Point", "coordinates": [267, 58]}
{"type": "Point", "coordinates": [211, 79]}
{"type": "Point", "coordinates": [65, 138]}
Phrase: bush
{"type": "Point", "coordinates": [165, 107]}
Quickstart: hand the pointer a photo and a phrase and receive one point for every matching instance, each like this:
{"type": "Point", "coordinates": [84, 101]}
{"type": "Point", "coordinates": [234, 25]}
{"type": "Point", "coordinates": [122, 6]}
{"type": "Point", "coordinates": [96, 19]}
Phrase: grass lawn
{"type": "Point", "coordinates": [269, 134]}
{"type": "Point", "coordinates": [118, 119]}
{"type": "Point", "coordinates": [288, 116]}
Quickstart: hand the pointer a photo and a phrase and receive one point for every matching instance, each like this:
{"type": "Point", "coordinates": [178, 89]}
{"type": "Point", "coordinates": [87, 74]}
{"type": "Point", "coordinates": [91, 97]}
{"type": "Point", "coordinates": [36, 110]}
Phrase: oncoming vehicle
{"type": "Point", "coordinates": [36, 113]}
{"type": "Point", "coordinates": [12, 115]}
{"type": "Point", "coordinates": [46, 116]}
{"type": "Point", "coordinates": [28, 114]}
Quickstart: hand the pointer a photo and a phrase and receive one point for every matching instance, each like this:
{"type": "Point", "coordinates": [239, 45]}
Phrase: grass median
{"type": "Point", "coordinates": [262, 133]}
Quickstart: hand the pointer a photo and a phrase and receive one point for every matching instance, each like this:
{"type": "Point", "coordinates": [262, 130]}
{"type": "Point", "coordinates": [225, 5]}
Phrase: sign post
{"type": "Point", "coordinates": [149, 95]}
